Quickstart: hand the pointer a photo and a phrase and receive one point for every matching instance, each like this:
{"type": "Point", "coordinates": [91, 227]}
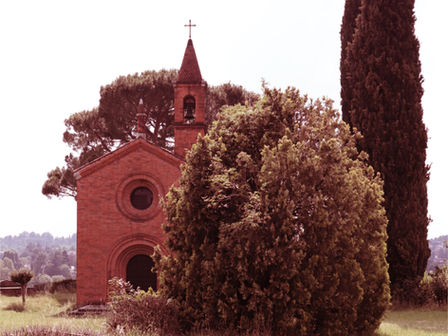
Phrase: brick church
{"type": "Point", "coordinates": [119, 218]}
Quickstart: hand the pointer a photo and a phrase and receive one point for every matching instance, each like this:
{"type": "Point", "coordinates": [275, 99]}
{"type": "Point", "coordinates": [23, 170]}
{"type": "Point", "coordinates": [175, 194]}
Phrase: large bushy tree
{"type": "Point", "coordinates": [227, 94]}
{"type": "Point", "coordinates": [12, 255]}
{"type": "Point", "coordinates": [277, 223]}
{"type": "Point", "coordinates": [6, 267]}
{"type": "Point", "coordinates": [381, 97]}
{"type": "Point", "coordinates": [93, 133]}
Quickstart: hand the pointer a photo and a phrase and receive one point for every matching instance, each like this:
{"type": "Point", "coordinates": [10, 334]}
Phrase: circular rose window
{"type": "Point", "coordinates": [138, 197]}
{"type": "Point", "coordinates": [141, 198]}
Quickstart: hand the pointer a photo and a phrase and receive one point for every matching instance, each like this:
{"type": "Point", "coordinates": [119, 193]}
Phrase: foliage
{"type": "Point", "coordinates": [227, 94]}
{"type": "Point", "coordinates": [277, 224]}
{"type": "Point", "coordinates": [145, 312]}
{"type": "Point", "coordinates": [432, 290]}
{"type": "Point", "coordinates": [439, 284]}
{"type": "Point", "coordinates": [381, 84]}
{"type": "Point", "coordinates": [14, 257]}
{"type": "Point", "coordinates": [6, 266]}
{"type": "Point", "coordinates": [22, 277]}
{"type": "Point", "coordinates": [93, 133]}
{"type": "Point", "coordinates": [44, 312]}
{"type": "Point", "coordinates": [351, 12]}
{"type": "Point", "coordinates": [27, 241]}
{"type": "Point", "coordinates": [425, 294]}
{"type": "Point", "coordinates": [119, 101]}
{"type": "Point", "coordinates": [44, 316]}
{"type": "Point", "coordinates": [57, 278]}
{"type": "Point", "coordinates": [45, 255]}
{"type": "Point", "coordinates": [65, 285]}
{"type": "Point", "coordinates": [41, 283]}
{"type": "Point", "coordinates": [58, 263]}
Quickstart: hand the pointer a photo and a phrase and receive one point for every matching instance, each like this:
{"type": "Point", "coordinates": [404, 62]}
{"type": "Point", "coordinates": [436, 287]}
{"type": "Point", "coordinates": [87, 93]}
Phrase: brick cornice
{"type": "Point", "coordinates": [136, 144]}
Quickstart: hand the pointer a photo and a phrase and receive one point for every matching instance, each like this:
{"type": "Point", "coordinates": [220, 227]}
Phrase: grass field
{"type": "Point", "coordinates": [45, 310]}
{"type": "Point", "coordinates": [420, 322]}
{"type": "Point", "coordinates": [49, 310]}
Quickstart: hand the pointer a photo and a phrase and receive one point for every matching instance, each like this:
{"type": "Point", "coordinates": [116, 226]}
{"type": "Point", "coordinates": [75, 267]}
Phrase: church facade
{"type": "Point", "coordinates": [119, 218]}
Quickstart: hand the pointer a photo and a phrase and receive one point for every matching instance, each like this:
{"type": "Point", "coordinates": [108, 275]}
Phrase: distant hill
{"type": "Point", "coordinates": [439, 252]}
{"type": "Point", "coordinates": [20, 242]}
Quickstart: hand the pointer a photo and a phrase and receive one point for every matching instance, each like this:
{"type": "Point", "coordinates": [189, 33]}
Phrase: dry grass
{"type": "Point", "coordinates": [415, 322]}
{"type": "Point", "coordinates": [45, 310]}
{"type": "Point", "coordinates": [48, 311]}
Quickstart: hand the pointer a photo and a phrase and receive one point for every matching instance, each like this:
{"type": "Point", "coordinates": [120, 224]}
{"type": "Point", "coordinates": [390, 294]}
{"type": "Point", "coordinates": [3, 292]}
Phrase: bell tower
{"type": "Point", "coordinates": [189, 102]}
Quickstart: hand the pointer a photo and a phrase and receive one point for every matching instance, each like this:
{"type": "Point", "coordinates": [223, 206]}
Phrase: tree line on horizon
{"type": "Point", "coordinates": [46, 239]}
{"type": "Point", "coordinates": [49, 258]}
{"type": "Point", "coordinates": [27, 240]}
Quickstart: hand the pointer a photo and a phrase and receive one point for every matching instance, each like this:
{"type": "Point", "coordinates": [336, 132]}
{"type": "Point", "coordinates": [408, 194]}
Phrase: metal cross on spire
{"type": "Point", "coordinates": [189, 25]}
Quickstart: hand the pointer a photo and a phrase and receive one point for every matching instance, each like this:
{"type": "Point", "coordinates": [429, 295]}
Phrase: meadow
{"type": "Point", "coordinates": [46, 310]}
{"type": "Point", "coordinates": [50, 310]}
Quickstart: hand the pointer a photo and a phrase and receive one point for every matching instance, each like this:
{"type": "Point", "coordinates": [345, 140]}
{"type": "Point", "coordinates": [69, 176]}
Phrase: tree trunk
{"type": "Point", "coordinates": [23, 294]}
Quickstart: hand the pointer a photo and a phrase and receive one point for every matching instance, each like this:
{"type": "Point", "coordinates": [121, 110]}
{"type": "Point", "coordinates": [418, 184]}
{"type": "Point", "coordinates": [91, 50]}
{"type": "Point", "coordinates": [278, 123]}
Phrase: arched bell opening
{"type": "Point", "coordinates": [139, 272]}
{"type": "Point", "coordinates": [189, 109]}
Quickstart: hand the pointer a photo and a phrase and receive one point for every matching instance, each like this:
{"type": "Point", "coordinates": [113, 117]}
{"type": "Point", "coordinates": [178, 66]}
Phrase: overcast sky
{"type": "Point", "coordinates": [55, 56]}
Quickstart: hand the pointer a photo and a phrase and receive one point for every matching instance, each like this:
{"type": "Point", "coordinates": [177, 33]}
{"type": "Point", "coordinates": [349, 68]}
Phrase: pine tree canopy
{"type": "Point", "coordinates": [277, 223]}
{"type": "Point", "coordinates": [96, 132]}
{"type": "Point", "coordinates": [381, 97]}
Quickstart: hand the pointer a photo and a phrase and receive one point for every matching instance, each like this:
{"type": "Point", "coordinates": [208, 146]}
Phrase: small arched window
{"type": "Point", "coordinates": [189, 109]}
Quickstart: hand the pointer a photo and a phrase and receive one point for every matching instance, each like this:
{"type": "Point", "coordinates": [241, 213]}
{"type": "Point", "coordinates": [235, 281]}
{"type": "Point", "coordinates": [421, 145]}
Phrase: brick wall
{"type": "Point", "coordinates": [110, 230]}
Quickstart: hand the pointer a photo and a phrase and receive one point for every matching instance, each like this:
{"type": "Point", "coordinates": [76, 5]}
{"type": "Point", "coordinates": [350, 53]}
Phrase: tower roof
{"type": "Point", "coordinates": [189, 72]}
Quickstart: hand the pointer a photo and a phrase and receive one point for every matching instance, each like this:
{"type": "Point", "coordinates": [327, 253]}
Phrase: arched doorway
{"type": "Point", "coordinates": [139, 274]}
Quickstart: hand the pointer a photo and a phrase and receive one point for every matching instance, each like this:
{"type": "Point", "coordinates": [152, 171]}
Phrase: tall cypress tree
{"type": "Point", "coordinates": [351, 12]}
{"type": "Point", "coordinates": [382, 72]}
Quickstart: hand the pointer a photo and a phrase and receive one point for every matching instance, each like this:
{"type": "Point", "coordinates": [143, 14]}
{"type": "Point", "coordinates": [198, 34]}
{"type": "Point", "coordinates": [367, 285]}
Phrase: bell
{"type": "Point", "coordinates": [189, 116]}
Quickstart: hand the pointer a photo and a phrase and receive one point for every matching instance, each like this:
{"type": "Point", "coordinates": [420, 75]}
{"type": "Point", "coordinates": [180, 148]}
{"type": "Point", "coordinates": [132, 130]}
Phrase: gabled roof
{"type": "Point", "coordinates": [108, 158]}
{"type": "Point", "coordinates": [189, 72]}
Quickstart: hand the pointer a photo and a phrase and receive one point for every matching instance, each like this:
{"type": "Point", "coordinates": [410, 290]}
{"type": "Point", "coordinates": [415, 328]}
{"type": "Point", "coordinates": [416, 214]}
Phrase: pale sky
{"type": "Point", "coordinates": [55, 56]}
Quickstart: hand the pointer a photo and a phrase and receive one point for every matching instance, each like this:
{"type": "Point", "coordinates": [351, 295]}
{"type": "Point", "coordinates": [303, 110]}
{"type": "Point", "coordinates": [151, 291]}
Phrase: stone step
{"type": "Point", "coordinates": [91, 309]}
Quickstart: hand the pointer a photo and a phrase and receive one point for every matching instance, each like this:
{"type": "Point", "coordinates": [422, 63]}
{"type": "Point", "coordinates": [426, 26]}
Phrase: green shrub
{"type": "Point", "coordinates": [146, 312]}
{"type": "Point", "coordinates": [425, 295]}
{"type": "Point", "coordinates": [65, 285]}
{"type": "Point", "coordinates": [432, 290]}
{"type": "Point", "coordinates": [276, 223]}
{"type": "Point", "coordinates": [41, 282]}
{"type": "Point", "coordinates": [42, 287]}
{"type": "Point", "coordinates": [440, 284]}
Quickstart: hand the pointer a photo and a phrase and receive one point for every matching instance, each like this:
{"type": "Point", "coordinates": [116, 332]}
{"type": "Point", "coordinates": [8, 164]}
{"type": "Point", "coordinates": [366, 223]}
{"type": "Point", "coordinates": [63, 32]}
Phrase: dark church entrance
{"type": "Point", "coordinates": [139, 274]}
